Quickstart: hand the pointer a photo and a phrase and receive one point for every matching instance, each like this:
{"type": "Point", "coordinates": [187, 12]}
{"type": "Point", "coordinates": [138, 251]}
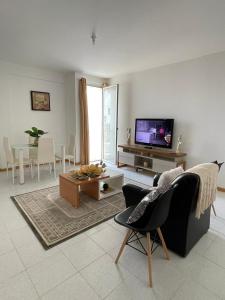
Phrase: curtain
{"type": "Point", "coordinates": [84, 126]}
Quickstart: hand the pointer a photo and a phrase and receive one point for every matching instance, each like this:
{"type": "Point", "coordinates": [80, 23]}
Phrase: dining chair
{"type": "Point", "coordinates": [11, 161]}
{"type": "Point", "coordinates": [70, 151]}
{"type": "Point", "coordinates": [45, 154]}
{"type": "Point", "coordinates": [153, 218]}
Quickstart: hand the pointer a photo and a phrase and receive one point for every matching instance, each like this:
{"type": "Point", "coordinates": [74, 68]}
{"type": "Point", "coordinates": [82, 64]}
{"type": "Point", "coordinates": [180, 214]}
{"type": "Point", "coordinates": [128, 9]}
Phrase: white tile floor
{"type": "Point", "coordinates": [83, 267]}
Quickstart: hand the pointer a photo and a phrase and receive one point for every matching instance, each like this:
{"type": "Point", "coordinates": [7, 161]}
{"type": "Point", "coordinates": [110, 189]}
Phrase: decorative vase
{"type": "Point", "coordinates": [179, 143]}
{"type": "Point", "coordinates": [128, 136]}
{"type": "Point", "coordinates": [36, 141]}
{"type": "Point", "coordinates": [145, 164]}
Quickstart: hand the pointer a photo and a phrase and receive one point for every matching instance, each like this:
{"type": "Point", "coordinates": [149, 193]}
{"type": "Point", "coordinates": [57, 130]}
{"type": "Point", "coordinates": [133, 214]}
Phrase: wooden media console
{"type": "Point", "coordinates": [151, 159]}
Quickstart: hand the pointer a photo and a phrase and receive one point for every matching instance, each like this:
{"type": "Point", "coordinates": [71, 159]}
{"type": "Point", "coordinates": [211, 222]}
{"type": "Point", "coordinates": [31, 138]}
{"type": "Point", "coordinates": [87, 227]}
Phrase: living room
{"type": "Point", "coordinates": [166, 60]}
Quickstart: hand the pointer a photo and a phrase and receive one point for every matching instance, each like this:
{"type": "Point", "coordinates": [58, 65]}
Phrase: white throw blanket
{"type": "Point", "coordinates": [208, 174]}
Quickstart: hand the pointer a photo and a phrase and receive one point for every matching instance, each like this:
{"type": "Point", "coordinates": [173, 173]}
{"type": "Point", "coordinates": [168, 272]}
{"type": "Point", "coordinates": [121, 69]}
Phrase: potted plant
{"type": "Point", "coordinates": [35, 133]}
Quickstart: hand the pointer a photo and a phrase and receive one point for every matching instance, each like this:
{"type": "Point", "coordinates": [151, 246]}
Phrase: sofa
{"type": "Point", "coordinates": [182, 230]}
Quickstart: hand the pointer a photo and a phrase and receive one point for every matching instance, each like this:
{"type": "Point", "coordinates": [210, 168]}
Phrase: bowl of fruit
{"type": "Point", "coordinates": [88, 171]}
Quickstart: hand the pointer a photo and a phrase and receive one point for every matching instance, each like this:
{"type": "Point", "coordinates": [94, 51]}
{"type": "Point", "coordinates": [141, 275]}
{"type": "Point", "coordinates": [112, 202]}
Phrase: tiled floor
{"type": "Point", "coordinates": [83, 267]}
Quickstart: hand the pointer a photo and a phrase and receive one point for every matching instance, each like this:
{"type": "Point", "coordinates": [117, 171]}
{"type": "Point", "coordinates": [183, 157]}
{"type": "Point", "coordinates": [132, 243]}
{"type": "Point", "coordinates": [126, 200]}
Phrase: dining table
{"type": "Point", "coordinates": [21, 148]}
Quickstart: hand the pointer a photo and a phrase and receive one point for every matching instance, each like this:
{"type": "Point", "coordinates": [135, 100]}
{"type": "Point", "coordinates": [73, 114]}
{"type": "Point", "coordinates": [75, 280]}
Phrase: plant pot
{"type": "Point", "coordinates": [36, 141]}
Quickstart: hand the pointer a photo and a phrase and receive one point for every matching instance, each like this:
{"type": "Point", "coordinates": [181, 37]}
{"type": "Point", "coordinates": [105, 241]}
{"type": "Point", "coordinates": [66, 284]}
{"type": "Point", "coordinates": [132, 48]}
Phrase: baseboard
{"type": "Point", "coordinates": [71, 162]}
{"type": "Point", "coordinates": [221, 189]}
{"type": "Point", "coordinates": [26, 166]}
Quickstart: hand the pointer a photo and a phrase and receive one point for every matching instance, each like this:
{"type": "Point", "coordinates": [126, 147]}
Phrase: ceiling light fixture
{"type": "Point", "coordinates": [93, 38]}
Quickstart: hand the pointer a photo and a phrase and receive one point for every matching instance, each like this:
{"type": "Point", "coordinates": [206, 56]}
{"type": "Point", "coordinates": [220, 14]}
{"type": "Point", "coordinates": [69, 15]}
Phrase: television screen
{"type": "Point", "coordinates": [154, 132]}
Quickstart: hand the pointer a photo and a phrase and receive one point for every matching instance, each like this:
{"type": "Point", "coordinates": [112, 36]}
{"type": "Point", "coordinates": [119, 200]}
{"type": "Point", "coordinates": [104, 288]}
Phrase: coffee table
{"type": "Point", "coordinates": [70, 188]}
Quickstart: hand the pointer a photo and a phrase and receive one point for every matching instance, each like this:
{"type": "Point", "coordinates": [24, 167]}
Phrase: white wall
{"type": "Point", "coordinates": [16, 115]}
{"type": "Point", "coordinates": [70, 108]}
{"type": "Point", "coordinates": [191, 92]}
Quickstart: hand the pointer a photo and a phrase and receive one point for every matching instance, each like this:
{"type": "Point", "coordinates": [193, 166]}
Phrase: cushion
{"type": "Point", "coordinates": [139, 211]}
{"type": "Point", "coordinates": [168, 176]}
{"type": "Point", "coordinates": [164, 184]}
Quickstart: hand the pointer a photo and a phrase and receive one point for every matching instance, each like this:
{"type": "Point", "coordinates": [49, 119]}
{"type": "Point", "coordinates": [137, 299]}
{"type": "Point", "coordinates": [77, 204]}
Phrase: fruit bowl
{"type": "Point", "coordinates": [88, 171]}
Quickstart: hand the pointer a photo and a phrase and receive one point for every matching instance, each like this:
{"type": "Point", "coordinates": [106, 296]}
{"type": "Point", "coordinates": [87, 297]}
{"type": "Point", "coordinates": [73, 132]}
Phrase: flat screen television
{"type": "Point", "coordinates": [154, 132]}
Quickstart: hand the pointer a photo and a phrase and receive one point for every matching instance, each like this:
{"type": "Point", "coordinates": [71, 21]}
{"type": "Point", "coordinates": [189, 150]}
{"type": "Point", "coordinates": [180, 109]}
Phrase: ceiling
{"type": "Point", "coordinates": [132, 35]}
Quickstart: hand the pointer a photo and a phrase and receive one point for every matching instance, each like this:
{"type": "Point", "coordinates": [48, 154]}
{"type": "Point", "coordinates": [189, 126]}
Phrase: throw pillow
{"type": "Point", "coordinates": [139, 210]}
{"type": "Point", "coordinates": [164, 184]}
{"type": "Point", "coordinates": [168, 176]}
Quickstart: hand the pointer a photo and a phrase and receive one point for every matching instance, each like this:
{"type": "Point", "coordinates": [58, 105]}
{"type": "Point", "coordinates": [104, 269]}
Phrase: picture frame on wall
{"type": "Point", "coordinates": [40, 101]}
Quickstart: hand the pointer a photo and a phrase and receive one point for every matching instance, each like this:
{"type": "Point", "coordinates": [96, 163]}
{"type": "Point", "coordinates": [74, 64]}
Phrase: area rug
{"type": "Point", "coordinates": [54, 220]}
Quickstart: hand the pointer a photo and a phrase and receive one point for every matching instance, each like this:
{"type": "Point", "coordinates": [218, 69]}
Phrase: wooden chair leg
{"type": "Point", "coordinates": [149, 259]}
{"type": "Point", "coordinates": [214, 211]}
{"type": "Point", "coordinates": [123, 244]}
{"type": "Point", "coordinates": [163, 243]}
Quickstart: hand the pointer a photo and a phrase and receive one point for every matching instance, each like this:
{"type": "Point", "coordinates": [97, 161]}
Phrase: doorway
{"type": "Point", "coordinates": [94, 97]}
{"type": "Point", "coordinates": [102, 115]}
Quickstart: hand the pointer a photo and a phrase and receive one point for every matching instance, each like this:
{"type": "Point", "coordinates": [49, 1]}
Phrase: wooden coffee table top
{"type": "Point", "coordinates": [80, 182]}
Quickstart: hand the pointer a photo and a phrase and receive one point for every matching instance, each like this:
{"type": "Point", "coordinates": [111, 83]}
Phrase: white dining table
{"type": "Point", "coordinates": [23, 147]}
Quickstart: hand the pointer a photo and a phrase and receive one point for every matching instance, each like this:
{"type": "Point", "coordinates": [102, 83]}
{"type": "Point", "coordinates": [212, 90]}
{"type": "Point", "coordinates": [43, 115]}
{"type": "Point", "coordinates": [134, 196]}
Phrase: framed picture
{"type": "Point", "coordinates": [40, 101]}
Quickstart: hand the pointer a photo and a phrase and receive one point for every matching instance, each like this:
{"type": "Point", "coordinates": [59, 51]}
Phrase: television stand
{"type": "Point", "coordinates": [148, 147]}
{"type": "Point", "coordinates": [155, 160]}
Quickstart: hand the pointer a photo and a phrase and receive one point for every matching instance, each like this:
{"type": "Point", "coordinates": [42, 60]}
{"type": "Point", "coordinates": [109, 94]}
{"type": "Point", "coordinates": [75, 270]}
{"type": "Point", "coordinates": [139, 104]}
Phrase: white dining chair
{"type": "Point", "coordinates": [45, 154]}
{"type": "Point", "coordinates": [70, 151]}
{"type": "Point", "coordinates": [11, 161]}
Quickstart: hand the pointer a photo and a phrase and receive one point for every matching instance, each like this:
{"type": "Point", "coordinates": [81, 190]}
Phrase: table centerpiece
{"type": "Point", "coordinates": [35, 133]}
{"type": "Point", "coordinates": [88, 171]}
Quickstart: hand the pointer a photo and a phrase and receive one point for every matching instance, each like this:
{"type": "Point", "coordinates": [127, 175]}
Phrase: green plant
{"type": "Point", "coordinates": [35, 132]}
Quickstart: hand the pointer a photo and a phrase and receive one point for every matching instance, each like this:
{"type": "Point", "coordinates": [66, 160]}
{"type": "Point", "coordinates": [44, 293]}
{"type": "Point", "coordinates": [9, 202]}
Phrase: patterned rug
{"type": "Point", "coordinates": [54, 220]}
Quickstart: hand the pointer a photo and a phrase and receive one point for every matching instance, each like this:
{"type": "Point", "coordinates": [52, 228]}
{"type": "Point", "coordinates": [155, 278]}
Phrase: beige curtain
{"type": "Point", "coordinates": [84, 126]}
